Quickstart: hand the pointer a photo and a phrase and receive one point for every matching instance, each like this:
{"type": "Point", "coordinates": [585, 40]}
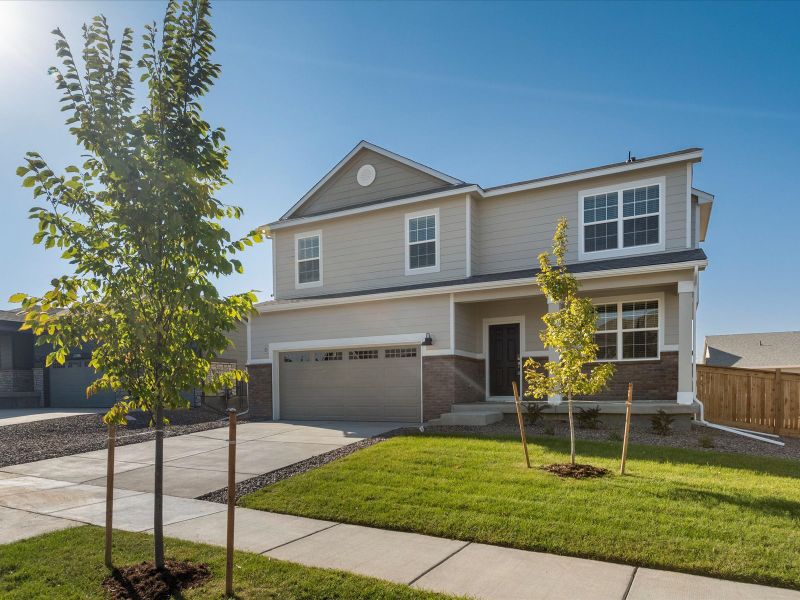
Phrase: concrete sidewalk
{"type": "Point", "coordinates": [33, 505]}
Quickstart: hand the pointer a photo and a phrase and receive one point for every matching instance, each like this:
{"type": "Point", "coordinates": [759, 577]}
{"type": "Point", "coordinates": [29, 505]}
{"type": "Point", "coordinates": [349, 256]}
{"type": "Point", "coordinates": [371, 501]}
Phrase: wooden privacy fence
{"type": "Point", "coordinates": [766, 401]}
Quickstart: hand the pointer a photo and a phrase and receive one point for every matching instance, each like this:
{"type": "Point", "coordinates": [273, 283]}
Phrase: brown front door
{"type": "Point", "coordinates": [503, 358]}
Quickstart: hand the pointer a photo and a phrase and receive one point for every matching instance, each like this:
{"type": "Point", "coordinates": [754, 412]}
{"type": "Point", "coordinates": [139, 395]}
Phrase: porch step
{"type": "Point", "coordinates": [470, 417]}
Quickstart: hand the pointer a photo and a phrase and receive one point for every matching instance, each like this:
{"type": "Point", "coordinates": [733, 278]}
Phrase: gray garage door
{"type": "Point", "coordinates": [359, 384]}
{"type": "Point", "coordinates": [68, 387]}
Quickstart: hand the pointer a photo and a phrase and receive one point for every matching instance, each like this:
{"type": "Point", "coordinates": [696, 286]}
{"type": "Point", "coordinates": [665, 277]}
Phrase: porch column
{"type": "Point", "coordinates": [552, 355]}
{"type": "Point", "coordinates": [685, 358]}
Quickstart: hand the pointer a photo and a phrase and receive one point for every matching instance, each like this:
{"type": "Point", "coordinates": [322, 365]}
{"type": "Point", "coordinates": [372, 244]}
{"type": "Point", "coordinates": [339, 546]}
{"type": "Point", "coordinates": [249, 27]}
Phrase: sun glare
{"type": "Point", "coordinates": [11, 28]}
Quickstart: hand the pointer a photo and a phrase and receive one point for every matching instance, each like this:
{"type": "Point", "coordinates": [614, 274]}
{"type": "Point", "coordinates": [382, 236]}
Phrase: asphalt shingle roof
{"type": "Point", "coordinates": [646, 260]}
{"type": "Point", "coordinates": [779, 349]}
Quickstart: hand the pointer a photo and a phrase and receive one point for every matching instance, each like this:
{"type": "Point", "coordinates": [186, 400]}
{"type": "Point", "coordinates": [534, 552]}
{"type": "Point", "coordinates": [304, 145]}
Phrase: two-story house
{"type": "Point", "coordinates": [400, 290]}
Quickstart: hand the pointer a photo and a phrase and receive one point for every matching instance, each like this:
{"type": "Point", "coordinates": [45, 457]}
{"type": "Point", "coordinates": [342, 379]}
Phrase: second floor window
{"type": "Point", "coordinates": [422, 242]}
{"type": "Point", "coordinates": [309, 257]}
{"type": "Point", "coordinates": [623, 220]}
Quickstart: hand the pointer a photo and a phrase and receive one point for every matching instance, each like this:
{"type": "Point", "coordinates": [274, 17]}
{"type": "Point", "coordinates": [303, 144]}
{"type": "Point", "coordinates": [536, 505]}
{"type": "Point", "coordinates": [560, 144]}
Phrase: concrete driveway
{"type": "Point", "coordinates": [15, 416]}
{"type": "Point", "coordinates": [197, 463]}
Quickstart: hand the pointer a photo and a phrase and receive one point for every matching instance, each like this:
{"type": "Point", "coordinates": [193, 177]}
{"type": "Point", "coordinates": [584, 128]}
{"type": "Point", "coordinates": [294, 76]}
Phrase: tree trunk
{"type": "Point", "coordinates": [571, 430]}
{"type": "Point", "coordinates": [158, 489]}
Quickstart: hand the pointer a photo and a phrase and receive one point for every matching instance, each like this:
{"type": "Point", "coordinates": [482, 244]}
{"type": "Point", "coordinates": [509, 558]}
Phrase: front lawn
{"type": "Point", "coordinates": [723, 515]}
{"type": "Point", "coordinates": [69, 564]}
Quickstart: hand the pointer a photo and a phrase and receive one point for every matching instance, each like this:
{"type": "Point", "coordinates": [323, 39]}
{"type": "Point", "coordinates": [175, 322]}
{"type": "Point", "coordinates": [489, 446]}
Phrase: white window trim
{"type": "Point", "coordinates": [622, 251]}
{"type": "Point", "coordinates": [423, 213]}
{"type": "Point", "coordinates": [518, 319]}
{"type": "Point", "coordinates": [619, 300]}
{"type": "Point", "coordinates": [297, 238]}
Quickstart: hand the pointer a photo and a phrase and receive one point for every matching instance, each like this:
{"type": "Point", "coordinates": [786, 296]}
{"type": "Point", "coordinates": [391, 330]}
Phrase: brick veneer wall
{"type": "Point", "coordinates": [16, 380]}
{"type": "Point", "coordinates": [447, 380]}
{"type": "Point", "coordinates": [652, 379]}
{"type": "Point", "coordinates": [259, 391]}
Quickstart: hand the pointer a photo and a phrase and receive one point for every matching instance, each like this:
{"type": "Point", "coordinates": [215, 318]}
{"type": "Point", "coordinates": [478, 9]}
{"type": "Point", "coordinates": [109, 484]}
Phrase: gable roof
{"type": "Point", "coordinates": [365, 145]}
{"type": "Point", "coordinates": [287, 220]}
{"type": "Point", "coordinates": [772, 350]}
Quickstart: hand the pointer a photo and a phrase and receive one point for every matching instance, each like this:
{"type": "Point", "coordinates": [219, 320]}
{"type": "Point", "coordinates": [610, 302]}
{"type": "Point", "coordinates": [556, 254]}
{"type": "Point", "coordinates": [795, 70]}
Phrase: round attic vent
{"type": "Point", "coordinates": [366, 175]}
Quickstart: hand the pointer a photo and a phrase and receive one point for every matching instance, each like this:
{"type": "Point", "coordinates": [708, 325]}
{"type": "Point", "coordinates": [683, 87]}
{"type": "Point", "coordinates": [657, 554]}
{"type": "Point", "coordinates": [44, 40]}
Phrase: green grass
{"type": "Point", "coordinates": [69, 564]}
{"type": "Point", "coordinates": [723, 515]}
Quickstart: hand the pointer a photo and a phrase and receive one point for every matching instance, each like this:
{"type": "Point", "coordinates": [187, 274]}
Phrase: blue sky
{"type": "Point", "coordinates": [490, 93]}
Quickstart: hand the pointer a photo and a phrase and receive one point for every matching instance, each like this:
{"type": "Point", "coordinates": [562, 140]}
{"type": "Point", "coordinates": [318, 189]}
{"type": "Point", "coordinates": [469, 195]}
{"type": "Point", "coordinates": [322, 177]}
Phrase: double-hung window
{"type": "Point", "coordinates": [422, 242]}
{"type": "Point", "coordinates": [628, 330]}
{"type": "Point", "coordinates": [620, 220]}
{"type": "Point", "coordinates": [308, 267]}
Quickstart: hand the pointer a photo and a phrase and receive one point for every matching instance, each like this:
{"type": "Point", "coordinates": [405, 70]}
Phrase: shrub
{"type": "Point", "coordinates": [614, 436]}
{"type": "Point", "coordinates": [706, 441]}
{"type": "Point", "coordinates": [588, 418]}
{"type": "Point", "coordinates": [535, 412]}
{"type": "Point", "coordinates": [550, 428]}
{"type": "Point", "coordinates": [661, 423]}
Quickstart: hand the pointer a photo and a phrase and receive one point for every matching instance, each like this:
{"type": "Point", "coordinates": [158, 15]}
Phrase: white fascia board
{"type": "Point", "coordinates": [694, 155]}
{"type": "Point", "coordinates": [372, 207]}
{"type": "Point", "coordinates": [376, 340]}
{"type": "Point", "coordinates": [702, 197]}
{"type": "Point", "coordinates": [362, 145]}
{"type": "Point", "coordinates": [299, 304]}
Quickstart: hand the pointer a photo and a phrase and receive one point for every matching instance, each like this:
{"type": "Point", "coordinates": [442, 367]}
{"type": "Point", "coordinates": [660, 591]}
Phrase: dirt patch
{"type": "Point", "coordinates": [145, 582]}
{"type": "Point", "coordinates": [576, 471]}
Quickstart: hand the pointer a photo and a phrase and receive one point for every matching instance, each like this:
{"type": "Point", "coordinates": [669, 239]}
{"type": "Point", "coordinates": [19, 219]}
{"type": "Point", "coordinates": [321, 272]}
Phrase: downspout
{"type": "Point", "coordinates": [755, 435]}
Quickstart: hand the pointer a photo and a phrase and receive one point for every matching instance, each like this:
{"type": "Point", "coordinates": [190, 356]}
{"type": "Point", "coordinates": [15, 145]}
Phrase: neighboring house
{"type": "Point", "coordinates": [21, 380]}
{"type": "Point", "coordinates": [767, 351]}
{"type": "Point", "coordinates": [400, 290]}
{"type": "Point", "coordinates": [25, 382]}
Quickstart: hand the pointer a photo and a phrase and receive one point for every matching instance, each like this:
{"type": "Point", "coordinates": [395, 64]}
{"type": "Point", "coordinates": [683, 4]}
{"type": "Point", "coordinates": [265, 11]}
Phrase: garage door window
{"type": "Point", "coordinates": [401, 353]}
{"type": "Point", "coordinates": [290, 357]}
{"type": "Point", "coordinates": [363, 354]}
{"type": "Point", "coordinates": [327, 356]}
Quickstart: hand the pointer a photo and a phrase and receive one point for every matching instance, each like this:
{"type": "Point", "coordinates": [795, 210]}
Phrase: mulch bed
{"type": "Point", "coordinates": [51, 438]}
{"type": "Point", "coordinates": [576, 471]}
{"type": "Point", "coordinates": [145, 582]}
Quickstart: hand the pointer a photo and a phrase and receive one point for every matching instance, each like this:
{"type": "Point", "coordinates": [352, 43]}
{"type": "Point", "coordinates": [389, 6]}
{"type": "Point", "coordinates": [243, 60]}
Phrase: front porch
{"type": "Point", "coordinates": [645, 328]}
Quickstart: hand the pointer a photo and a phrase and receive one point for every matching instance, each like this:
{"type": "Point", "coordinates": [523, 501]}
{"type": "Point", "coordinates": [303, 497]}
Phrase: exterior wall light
{"type": "Point", "coordinates": [428, 340]}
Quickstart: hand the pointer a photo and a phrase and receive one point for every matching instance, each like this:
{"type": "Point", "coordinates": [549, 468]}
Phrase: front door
{"type": "Point", "coordinates": [503, 358]}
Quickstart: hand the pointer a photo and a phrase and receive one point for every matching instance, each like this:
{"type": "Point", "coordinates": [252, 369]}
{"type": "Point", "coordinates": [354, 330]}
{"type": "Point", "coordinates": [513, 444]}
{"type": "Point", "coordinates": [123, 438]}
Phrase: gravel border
{"type": "Point", "coordinates": [640, 434]}
{"type": "Point", "coordinates": [53, 438]}
{"type": "Point", "coordinates": [261, 481]}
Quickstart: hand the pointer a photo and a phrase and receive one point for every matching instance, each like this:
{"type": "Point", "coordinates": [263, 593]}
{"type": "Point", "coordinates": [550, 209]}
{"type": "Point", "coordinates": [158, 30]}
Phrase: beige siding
{"type": "Point", "coordinates": [237, 351]}
{"type": "Point", "coordinates": [360, 319]}
{"type": "Point", "coordinates": [514, 229]}
{"type": "Point", "coordinates": [474, 232]}
{"type": "Point", "coordinates": [367, 251]}
{"type": "Point", "coordinates": [392, 179]}
{"type": "Point", "coordinates": [469, 316]}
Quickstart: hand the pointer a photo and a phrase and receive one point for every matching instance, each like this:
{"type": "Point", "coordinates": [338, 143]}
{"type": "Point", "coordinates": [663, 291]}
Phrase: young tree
{"type": "Point", "coordinates": [570, 332]}
{"type": "Point", "coordinates": [140, 223]}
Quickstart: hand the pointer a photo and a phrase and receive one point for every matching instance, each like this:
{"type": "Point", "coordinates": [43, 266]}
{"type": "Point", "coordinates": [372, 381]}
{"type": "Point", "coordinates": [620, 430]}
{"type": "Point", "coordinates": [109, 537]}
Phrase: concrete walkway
{"type": "Point", "coordinates": [31, 504]}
